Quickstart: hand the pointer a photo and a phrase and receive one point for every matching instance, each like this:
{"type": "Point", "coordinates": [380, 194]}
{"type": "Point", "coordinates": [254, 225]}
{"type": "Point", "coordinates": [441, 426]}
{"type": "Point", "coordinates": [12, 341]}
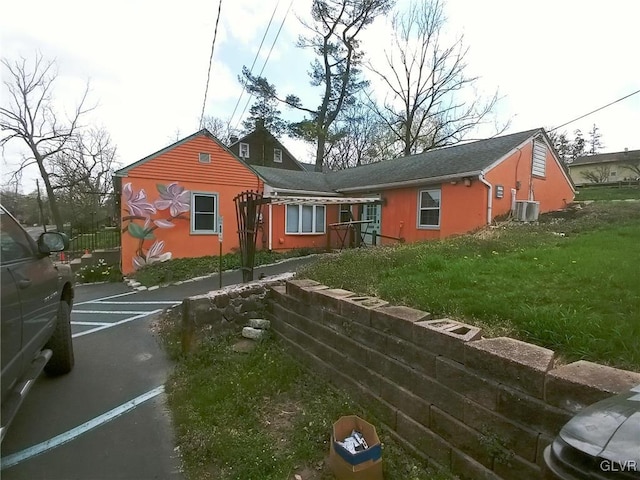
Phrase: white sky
{"type": "Point", "coordinates": [551, 61]}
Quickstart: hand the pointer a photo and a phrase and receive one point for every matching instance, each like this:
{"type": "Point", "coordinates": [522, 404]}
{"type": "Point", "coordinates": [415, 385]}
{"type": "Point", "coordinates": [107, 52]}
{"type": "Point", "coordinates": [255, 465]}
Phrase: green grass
{"type": "Point", "coordinates": [569, 283]}
{"type": "Point", "coordinates": [608, 193]}
{"type": "Point", "coordinates": [186, 268]}
{"type": "Point", "coordinates": [262, 416]}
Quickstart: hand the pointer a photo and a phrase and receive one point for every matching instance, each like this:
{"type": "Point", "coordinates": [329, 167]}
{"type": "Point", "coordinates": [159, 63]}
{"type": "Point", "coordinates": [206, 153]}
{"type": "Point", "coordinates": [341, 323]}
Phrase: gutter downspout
{"type": "Point", "coordinates": [489, 198]}
{"type": "Point", "coordinates": [270, 227]}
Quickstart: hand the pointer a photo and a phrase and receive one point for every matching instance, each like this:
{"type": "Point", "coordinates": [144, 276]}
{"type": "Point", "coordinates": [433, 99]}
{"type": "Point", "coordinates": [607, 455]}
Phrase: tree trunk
{"type": "Point", "coordinates": [320, 150]}
{"type": "Point", "coordinates": [51, 198]}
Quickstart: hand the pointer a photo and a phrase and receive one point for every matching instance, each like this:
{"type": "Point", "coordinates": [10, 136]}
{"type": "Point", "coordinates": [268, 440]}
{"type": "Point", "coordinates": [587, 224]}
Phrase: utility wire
{"type": "Point", "coordinates": [594, 111]}
{"type": "Point", "coordinates": [266, 60]}
{"type": "Point", "coordinates": [213, 44]}
{"type": "Point", "coordinates": [255, 59]}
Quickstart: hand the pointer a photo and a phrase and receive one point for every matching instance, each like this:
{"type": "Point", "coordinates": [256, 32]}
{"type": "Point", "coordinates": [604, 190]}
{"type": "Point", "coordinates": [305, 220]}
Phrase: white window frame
{"type": "Point", "coordinates": [421, 208]}
{"type": "Point", "coordinates": [277, 155]}
{"type": "Point", "coordinates": [314, 227]}
{"type": "Point", "coordinates": [193, 213]}
{"type": "Point", "coordinates": [204, 157]}
{"type": "Point", "coordinates": [243, 146]}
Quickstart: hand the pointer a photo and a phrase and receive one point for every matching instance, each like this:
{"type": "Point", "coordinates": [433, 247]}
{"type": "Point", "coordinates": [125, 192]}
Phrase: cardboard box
{"type": "Point", "coordinates": [364, 465]}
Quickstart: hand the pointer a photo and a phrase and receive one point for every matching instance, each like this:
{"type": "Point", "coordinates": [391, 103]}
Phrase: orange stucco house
{"type": "Point", "coordinates": [171, 200]}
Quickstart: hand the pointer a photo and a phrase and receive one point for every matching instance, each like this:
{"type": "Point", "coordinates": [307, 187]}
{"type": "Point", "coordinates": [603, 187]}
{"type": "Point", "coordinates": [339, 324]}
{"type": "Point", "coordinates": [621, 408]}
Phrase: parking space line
{"type": "Point", "coordinates": [106, 298]}
{"type": "Point", "coordinates": [90, 324]}
{"type": "Point", "coordinates": [114, 324]}
{"type": "Point", "coordinates": [150, 302]}
{"type": "Point", "coordinates": [18, 457]}
{"type": "Point", "coordinates": [112, 312]}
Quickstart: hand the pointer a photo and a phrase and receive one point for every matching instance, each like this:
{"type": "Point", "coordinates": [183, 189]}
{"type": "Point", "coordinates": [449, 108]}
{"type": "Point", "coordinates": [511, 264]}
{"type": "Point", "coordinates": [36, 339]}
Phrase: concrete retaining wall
{"type": "Point", "coordinates": [483, 408]}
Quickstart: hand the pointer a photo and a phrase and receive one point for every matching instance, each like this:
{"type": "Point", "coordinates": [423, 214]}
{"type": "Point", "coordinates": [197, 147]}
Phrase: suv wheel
{"type": "Point", "coordinates": [60, 343]}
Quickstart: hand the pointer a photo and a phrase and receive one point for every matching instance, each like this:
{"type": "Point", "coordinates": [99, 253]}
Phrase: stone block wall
{"type": "Point", "coordinates": [480, 407]}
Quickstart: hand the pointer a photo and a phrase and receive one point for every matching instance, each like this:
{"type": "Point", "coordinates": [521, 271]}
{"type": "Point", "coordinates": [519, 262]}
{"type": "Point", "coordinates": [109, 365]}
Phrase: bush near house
{"type": "Point", "coordinates": [568, 283]}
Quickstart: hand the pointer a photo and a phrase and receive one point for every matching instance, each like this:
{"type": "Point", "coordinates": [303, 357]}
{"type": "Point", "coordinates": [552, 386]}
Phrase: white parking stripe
{"type": "Point", "coordinates": [91, 323]}
{"type": "Point", "coordinates": [158, 302]}
{"type": "Point", "coordinates": [112, 312]}
{"type": "Point", "coordinates": [14, 459]}
{"type": "Point", "coordinates": [106, 298]}
{"type": "Point", "coordinates": [114, 324]}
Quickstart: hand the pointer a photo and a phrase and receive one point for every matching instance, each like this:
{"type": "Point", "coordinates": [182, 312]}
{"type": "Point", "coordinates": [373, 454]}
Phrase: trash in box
{"type": "Point", "coordinates": [356, 452]}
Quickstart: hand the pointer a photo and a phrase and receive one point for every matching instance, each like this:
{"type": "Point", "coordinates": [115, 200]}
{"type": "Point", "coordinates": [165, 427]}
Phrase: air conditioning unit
{"type": "Point", "coordinates": [526, 211]}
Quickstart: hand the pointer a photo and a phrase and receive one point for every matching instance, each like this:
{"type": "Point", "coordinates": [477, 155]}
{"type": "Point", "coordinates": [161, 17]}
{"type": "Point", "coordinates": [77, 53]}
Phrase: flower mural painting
{"type": "Point", "coordinates": [173, 198]}
{"type": "Point", "coordinates": [153, 255]}
{"type": "Point", "coordinates": [137, 202]}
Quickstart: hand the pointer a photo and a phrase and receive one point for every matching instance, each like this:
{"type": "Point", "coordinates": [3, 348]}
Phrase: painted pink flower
{"type": "Point", "coordinates": [137, 203]}
{"type": "Point", "coordinates": [174, 197]}
{"type": "Point", "coordinates": [154, 255]}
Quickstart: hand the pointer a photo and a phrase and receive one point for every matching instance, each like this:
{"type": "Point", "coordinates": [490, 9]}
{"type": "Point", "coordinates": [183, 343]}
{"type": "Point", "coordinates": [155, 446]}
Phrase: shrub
{"type": "Point", "coordinates": [100, 272]}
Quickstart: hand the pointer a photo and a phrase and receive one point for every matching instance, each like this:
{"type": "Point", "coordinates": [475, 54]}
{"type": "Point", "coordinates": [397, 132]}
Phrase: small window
{"type": "Point", "coordinates": [277, 155]}
{"type": "Point", "coordinates": [345, 213]}
{"type": "Point", "coordinates": [305, 219]}
{"type": "Point", "coordinates": [429, 208]}
{"type": "Point", "coordinates": [613, 174]}
{"type": "Point", "coordinates": [204, 158]}
{"type": "Point", "coordinates": [204, 212]}
{"type": "Point", "coordinates": [244, 150]}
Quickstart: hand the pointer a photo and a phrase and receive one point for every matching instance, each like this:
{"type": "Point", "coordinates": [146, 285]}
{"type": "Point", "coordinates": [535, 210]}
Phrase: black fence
{"type": "Point", "coordinates": [83, 239]}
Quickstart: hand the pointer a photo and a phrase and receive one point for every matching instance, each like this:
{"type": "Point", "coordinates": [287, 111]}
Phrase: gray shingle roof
{"type": "Point", "coordinates": [294, 180]}
{"type": "Point", "coordinates": [628, 156]}
{"type": "Point", "coordinates": [463, 159]}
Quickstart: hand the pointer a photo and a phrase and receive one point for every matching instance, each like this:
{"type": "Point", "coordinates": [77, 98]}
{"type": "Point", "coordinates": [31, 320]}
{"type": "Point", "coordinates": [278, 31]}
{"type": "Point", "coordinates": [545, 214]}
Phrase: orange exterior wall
{"type": "Point", "coordinates": [225, 176]}
{"type": "Point", "coordinates": [553, 191]}
{"type": "Point", "coordinates": [462, 209]}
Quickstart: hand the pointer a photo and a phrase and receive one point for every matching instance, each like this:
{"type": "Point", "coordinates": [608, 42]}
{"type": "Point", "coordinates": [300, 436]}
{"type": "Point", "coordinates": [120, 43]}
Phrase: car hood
{"type": "Point", "coordinates": [609, 429]}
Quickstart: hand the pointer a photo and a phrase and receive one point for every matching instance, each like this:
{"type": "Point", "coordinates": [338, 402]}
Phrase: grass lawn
{"type": "Point", "coordinates": [608, 193]}
{"type": "Point", "coordinates": [261, 416]}
{"type": "Point", "coordinates": [570, 283]}
{"type": "Point", "coordinates": [186, 268]}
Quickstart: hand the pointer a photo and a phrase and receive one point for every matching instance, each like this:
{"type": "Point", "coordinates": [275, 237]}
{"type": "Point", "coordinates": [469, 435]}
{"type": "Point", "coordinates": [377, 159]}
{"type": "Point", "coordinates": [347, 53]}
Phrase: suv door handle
{"type": "Point", "coordinates": [24, 283]}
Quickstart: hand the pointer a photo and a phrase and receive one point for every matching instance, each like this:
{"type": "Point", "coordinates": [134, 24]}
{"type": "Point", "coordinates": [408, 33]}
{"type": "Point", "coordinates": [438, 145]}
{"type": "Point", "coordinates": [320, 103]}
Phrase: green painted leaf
{"type": "Point", "coordinates": [149, 235]}
{"type": "Point", "coordinates": [162, 189]}
{"type": "Point", "coordinates": [136, 231]}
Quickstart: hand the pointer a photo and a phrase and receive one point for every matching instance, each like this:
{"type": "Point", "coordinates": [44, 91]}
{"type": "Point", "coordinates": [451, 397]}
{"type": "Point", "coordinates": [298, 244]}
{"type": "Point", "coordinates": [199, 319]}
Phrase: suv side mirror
{"type": "Point", "coordinates": [49, 242]}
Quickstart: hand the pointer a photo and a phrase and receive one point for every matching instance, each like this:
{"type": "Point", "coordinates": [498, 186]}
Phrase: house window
{"type": "Point", "coordinates": [538, 167]}
{"type": "Point", "coordinates": [244, 150]}
{"type": "Point", "coordinates": [345, 213]}
{"type": "Point", "coordinates": [204, 211]}
{"type": "Point", "coordinates": [429, 208]}
{"type": "Point", "coordinates": [277, 155]}
{"type": "Point", "coordinates": [612, 174]}
{"type": "Point", "coordinates": [302, 219]}
{"type": "Point", "coordinates": [204, 158]}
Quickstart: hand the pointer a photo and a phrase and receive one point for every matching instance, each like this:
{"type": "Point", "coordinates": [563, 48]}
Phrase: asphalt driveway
{"type": "Point", "coordinates": [108, 418]}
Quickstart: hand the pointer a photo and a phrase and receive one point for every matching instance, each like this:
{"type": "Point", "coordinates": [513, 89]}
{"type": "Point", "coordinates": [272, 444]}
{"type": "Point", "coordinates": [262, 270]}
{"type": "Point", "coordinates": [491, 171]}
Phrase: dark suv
{"type": "Point", "coordinates": [37, 296]}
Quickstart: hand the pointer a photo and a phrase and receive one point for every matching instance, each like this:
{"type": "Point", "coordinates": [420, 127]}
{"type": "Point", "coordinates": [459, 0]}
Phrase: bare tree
{"type": "Point", "coordinates": [334, 38]}
{"type": "Point", "coordinates": [631, 162]}
{"type": "Point", "coordinates": [31, 117]}
{"type": "Point", "coordinates": [599, 174]}
{"type": "Point", "coordinates": [220, 129]}
{"type": "Point", "coordinates": [432, 101]}
{"type": "Point", "coordinates": [82, 175]}
{"type": "Point", "coordinates": [357, 138]}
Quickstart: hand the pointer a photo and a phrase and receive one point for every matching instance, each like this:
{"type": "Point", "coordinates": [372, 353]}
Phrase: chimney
{"type": "Point", "coordinates": [232, 139]}
{"type": "Point", "coordinates": [259, 123]}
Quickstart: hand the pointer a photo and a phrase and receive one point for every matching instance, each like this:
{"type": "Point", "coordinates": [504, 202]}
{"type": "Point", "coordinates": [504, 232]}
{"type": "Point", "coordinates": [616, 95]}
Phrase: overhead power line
{"type": "Point", "coordinates": [267, 59]}
{"type": "Point", "coordinates": [213, 45]}
{"type": "Point", "coordinates": [254, 61]}
{"type": "Point", "coordinates": [594, 111]}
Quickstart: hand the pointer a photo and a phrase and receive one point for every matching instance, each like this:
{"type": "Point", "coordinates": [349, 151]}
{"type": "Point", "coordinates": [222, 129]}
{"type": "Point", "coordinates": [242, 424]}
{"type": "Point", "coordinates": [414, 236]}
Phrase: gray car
{"type": "Point", "coordinates": [601, 442]}
{"type": "Point", "coordinates": [37, 297]}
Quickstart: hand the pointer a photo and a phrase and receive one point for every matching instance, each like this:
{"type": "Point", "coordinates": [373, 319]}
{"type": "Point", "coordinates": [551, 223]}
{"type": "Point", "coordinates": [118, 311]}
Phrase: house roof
{"type": "Point", "coordinates": [619, 157]}
{"type": "Point", "coordinates": [459, 160]}
{"type": "Point", "coordinates": [294, 180]}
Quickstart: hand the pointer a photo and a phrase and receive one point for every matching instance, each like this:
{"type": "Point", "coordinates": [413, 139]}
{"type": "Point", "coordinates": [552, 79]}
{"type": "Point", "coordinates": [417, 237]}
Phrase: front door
{"type": "Point", "coordinates": [371, 215]}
